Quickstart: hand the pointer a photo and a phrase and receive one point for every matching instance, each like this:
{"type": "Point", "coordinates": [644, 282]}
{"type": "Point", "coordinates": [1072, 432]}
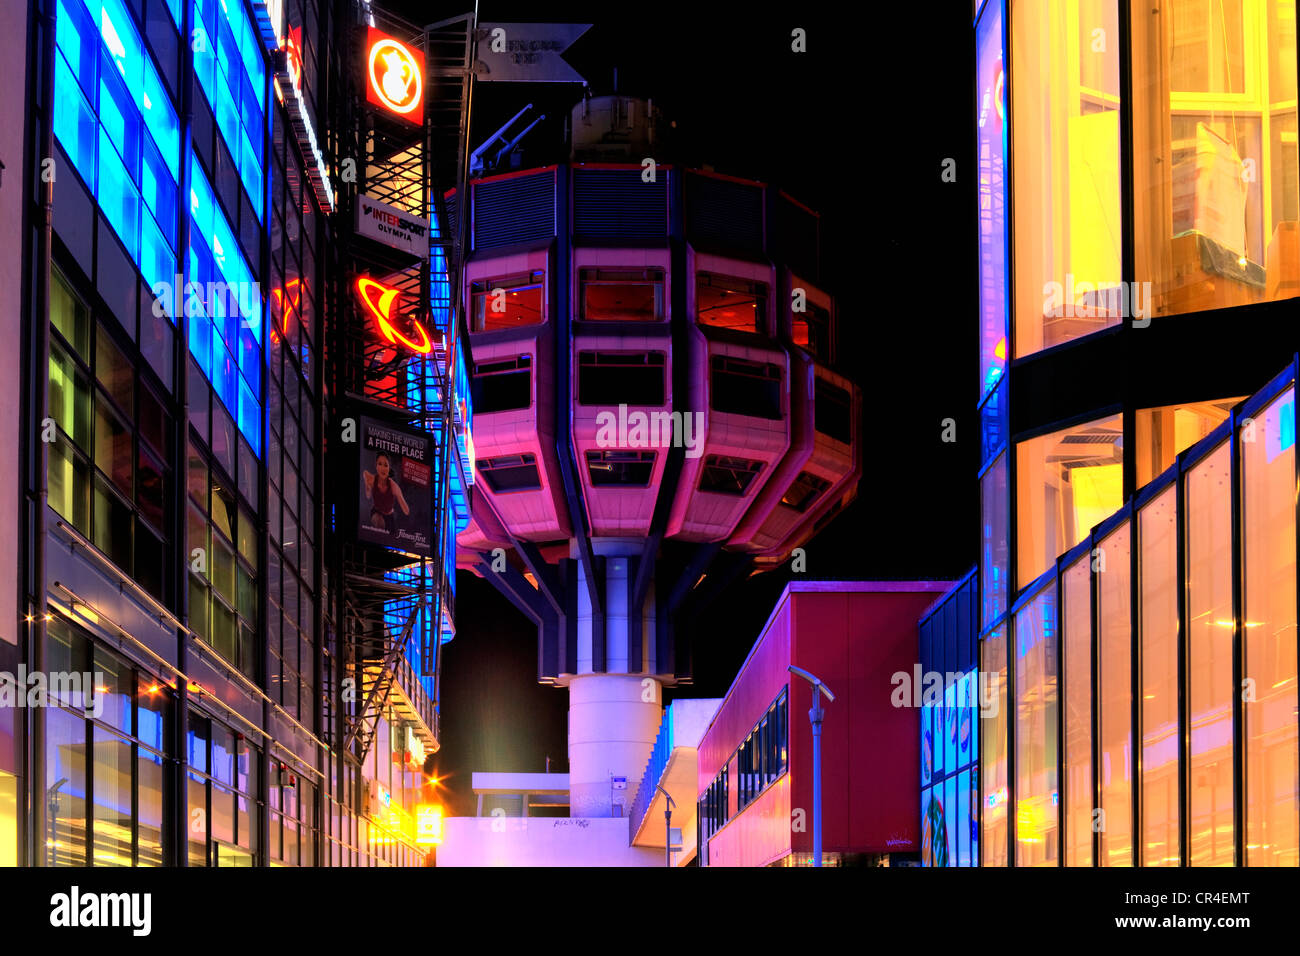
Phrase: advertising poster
{"type": "Point", "coordinates": [393, 487]}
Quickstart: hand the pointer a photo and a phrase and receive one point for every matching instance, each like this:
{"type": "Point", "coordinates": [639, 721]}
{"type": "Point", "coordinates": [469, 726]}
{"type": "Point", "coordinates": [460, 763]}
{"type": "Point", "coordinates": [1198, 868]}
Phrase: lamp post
{"type": "Point", "coordinates": [815, 718]}
{"type": "Point", "coordinates": [668, 826]}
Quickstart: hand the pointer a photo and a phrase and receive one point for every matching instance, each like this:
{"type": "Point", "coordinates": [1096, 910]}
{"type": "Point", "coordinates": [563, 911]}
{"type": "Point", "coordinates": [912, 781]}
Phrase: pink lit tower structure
{"type": "Point", "coordinates": [607, 296]}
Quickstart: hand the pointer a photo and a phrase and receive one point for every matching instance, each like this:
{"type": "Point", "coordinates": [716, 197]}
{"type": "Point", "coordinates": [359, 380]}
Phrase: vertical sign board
{"type": "Point", "coordinates": [394, 76]}
{"type": "Point", "coordinates": [393, 488]}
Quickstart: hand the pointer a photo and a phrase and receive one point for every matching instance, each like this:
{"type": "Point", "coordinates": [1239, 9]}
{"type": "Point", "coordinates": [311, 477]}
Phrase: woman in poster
{"type": "Point", "coordinates": [383, 493]}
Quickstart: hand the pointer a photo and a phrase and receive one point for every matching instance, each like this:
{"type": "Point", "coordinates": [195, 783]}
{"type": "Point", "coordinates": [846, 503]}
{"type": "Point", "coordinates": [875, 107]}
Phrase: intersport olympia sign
{"type": "Point", "coordinates": [392, 226]}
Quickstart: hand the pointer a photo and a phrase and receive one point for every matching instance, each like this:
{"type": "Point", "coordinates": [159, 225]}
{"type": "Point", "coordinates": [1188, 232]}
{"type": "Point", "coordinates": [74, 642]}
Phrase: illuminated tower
{"type": "Point", "coordinates": [657, 410]}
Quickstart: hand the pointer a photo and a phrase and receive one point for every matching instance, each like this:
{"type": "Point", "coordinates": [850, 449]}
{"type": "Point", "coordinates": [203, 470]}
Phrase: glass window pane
{"type": "Point", "coordinates": [1114, 697]}
{"type": "Point", "coordinates": [1269, 634]}
{"type": "Point", "coordinates": [149, 767]}
{"type": "Point", "coordinates": [1215, 217]}
{"type": "Point", "coordinates": [1036, 716]}
{"type": "Point", "coordinates": [1164, 432]}
{"type": "Point", "coordinates": [114, 686]}
{"type": "Point", "coordinates": [197, 792]}
{"type": "Point", "coordinates": [1077, 614]}
{"type": "Point", "coordinates": [1068, 482]}
{"type": "Point", "coordinates": [1209, 659]}
{"type": "Point", "coordinates": [112, 807]}
{"type": "Point", "coordinates": [1065, 147]}
{"type": "Point", "coordinates": [990, 108]}
{"type": "Point", "coordinates": [994, 555]}
{"type": "Point", "coordinates": [1158, 583]}
{"type": "Point", "coordinates": [65, 788]}
{"type": "Point", "coordinates": [993, 734]}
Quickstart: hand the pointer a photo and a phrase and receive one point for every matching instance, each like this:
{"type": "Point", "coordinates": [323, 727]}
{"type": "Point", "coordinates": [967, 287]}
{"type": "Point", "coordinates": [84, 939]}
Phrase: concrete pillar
{"type": "Point", "coordinates": [613, 722]}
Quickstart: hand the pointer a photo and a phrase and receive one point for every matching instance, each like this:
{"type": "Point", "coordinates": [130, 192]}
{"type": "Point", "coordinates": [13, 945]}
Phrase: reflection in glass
{"type": "Point", "coordinates": [1164, 432]}
{"type": "Point", "coordinates": [993, 753]}
{"type": "Point", "coordinates": [1214, 115]}
{"type": "Point", "coordinates": [1065, 145]}
{"type": "Point", "coordinates": [1269, 634]}
{"type": "Point", "coordinates": [1036, 717]}
{"type": "Point", "coordinates": [112, 806]}
{"type": "Point", "coordinates": [1068, 481]}
{"type": "Point", "coordinates": [1077, 614]}
{"type": "Point", "coordinates": [65, 789]}
{"type": "Point", "coordinates": [1114, 697]}
{"type": "Point", "coordinates": [994, 557]}
{"type": "Point", "coordinates": [1209, 659]}
{"type": "Point", "coordinates": [1158, 585]}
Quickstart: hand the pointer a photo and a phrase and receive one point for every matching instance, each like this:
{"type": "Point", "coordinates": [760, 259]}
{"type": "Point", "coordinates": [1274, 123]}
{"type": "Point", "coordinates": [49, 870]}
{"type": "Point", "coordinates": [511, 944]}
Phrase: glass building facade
{"type": "Point", "coordinates": [1136, 205]}
{"type": "Point", "coordinates": [183, 449]}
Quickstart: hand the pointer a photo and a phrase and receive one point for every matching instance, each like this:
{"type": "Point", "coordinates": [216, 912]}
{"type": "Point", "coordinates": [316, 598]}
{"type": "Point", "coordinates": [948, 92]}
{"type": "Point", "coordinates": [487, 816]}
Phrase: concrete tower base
{"type": "Point", "coordinates": [613, 721]}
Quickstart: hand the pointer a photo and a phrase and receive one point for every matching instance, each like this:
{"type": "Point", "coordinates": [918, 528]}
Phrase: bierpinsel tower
{"type": "Point", "coordinates": [657, 408]}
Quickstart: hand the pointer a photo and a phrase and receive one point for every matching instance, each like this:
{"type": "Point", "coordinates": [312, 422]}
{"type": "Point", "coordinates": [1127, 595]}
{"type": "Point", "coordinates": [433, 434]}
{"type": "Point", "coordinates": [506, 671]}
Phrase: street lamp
{"type": "Point", "coordinates": [815, 718]}
{"type": "Point", "coordinates": [668, 826]}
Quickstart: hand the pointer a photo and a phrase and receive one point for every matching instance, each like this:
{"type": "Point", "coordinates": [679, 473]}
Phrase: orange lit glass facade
{"type": "Point", "coordinates": [1138, 514]}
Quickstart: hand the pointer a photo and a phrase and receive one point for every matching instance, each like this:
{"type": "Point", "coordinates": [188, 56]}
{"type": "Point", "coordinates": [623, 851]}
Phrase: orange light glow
{"type": "Point", "coordinates": [396, 76]}
{"type": "Point", "coordinates": [428, 824]}
{"type": "Point", "coordinates": [381, 300]}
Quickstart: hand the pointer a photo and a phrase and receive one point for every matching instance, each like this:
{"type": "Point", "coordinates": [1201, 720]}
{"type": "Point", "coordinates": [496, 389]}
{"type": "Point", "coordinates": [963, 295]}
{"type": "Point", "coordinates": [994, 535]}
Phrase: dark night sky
{"type": "Point", "coordinates": [857, 128]}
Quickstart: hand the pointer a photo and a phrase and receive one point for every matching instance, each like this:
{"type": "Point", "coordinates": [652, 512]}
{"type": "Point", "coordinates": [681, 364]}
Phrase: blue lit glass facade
{"type": "Point", "coordinates": [118, 126]}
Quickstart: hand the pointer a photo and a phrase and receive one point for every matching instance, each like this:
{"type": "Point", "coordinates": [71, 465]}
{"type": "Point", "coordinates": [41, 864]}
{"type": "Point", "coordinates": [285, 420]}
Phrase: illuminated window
{"type": "Point", "coordinates": [1215, 162]}
{"type": "Point", "coordinates": [811, 331]}
{"type": "Point", "coordinates": [223, 591]}
{"type": "Point", "coordinates": [729, 303]}
{"type": "Point", "coordinates": [1114, 698]}
{"type": "Point", "coordinates": [228, 64]}
{"type": "Point", "coordinates": [1158, 607]}
{"type": "Point", "coordinates": [1269, 633]}
{"type": "Point", "coordinates": [1164, 432]}
{"type": "Point", "coordinates": [1065, 147]}
{"type": "Point", "coordinates": [1209, 659]}
{"type": "Point", "coordinates": [624, 295]}
{"type": "Point", "coordinates": [1077, 659]}
{"type": "Point", "coordinates": [115, 120]}
{"type": "Point", "coordinates": [224, 310]}
{"type": "Point", "coordinates": [1036, 718]}
{"type": "Point", "coordinates": [993, 752]}
{"type": "Point", "coordinates": [109, 468]}
{"type": "Point", "coordinates": [1067, 482]}
{"type": "Point", "coordinates": [506, 303]}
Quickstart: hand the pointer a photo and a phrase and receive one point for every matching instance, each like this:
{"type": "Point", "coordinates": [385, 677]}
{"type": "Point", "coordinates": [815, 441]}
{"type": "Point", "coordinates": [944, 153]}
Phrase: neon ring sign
{"type": "Point", "coordinates": [381, 300]}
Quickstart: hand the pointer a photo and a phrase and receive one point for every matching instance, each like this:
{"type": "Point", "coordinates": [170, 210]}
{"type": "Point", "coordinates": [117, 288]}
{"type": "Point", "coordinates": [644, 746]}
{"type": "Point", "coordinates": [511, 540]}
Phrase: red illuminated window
{"type": "Point", "coordinates": [507, 303]}
{"type": "Point", "coordinates": [811, 331]}
{"type": "Point", "coordinates": [727, 303]}
{"type": "Point", "coordinates": [622, 295]}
